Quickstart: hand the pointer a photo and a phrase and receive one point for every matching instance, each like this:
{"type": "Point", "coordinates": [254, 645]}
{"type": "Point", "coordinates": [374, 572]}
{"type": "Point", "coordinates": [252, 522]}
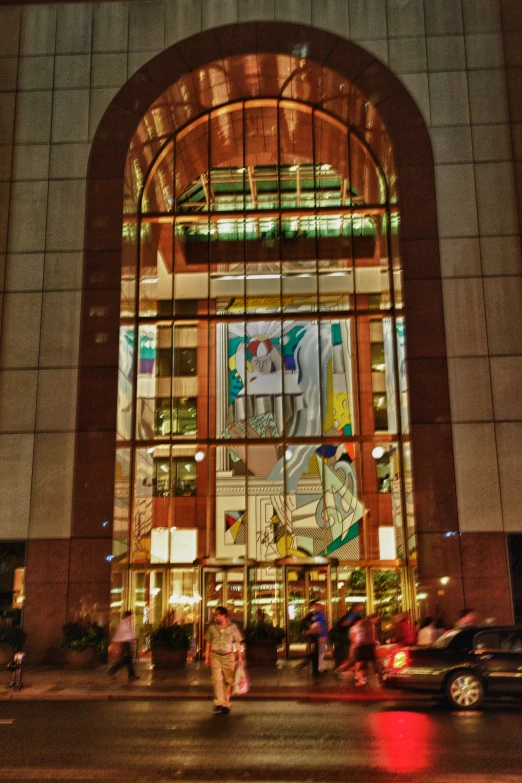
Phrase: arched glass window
{"type": "Point", "coordinates": [265, 410]}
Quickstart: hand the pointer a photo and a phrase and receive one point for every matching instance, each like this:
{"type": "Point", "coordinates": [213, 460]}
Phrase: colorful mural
{"type": "Point", "coordinates": [288, 381]}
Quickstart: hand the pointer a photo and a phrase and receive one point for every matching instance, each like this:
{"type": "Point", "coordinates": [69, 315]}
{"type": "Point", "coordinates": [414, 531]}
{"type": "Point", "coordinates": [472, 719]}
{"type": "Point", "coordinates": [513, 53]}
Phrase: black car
{"type": "Point", "coordinates": [464, 665]}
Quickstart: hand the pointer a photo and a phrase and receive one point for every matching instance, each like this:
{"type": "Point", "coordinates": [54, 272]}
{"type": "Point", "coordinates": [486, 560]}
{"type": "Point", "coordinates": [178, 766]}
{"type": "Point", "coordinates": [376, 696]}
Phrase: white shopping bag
{"type": "Point", "coordinates": [241, 681]}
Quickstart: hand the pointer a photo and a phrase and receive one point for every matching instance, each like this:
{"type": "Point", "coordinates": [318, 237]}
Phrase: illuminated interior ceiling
{"type": "Point", "coordinates": [266, 147]}
{"type": "Point", "coordinates": [257, 187]}
{"type": "Point", "coordinates": [299, 85]}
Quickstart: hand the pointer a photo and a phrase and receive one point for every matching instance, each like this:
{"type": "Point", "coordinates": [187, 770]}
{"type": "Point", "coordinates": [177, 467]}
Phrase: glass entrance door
{"type": "Point", "coordinates": [304, 584]}
{"type": "Point", "coordinates": [224, 587]}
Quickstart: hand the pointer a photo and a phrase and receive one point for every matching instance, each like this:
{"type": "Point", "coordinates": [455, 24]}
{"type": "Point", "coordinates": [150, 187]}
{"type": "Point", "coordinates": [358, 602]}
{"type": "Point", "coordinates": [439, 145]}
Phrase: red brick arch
{"type": "Point", "coordinates": [434, 479]}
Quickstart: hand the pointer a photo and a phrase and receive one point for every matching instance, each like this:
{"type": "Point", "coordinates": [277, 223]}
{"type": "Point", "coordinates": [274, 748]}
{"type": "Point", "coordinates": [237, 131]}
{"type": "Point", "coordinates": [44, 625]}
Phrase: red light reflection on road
{"type": "Point", "coordinates": [402, 740]}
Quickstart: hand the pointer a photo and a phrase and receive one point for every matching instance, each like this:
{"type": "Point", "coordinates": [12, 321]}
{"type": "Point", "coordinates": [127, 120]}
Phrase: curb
{"type": "Point", "coordinates": [372, 697]}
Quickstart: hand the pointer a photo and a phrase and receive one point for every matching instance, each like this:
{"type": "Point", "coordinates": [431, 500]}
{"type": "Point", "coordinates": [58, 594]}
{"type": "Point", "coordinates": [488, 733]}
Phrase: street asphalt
{"type": "Point", "coordinates": [259, 742]}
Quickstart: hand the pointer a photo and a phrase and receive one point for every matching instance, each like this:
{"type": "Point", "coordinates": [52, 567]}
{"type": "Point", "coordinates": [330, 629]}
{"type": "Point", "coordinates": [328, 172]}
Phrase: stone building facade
{"type": "Point", "coordinates": [426, 99]}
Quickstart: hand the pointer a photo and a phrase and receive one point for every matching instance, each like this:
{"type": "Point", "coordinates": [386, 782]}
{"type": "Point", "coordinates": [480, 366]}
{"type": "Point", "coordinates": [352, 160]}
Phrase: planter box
{"type": "Point", "coordinates": [74, 659]}
{"type": "Point", "coordinates": [261, 654]}
{"type": "Point", "coordinates": [165, 658]}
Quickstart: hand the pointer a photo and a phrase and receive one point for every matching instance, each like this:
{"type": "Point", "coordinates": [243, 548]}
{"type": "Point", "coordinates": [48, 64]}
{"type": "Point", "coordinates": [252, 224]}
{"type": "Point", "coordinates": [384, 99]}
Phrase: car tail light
{"type": "Point", "coordinates": [400, 660]}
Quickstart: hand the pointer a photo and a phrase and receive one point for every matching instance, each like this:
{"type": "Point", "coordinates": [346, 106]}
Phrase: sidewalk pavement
{"type": "Point", "coordinates": [284, 681]}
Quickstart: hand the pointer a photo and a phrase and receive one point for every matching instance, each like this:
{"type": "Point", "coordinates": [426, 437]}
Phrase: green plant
{"type": "Point", "coordinates": [386, 581]}
{"type": "Point", "coordinates": [13, 636]}
{"type": "Point", "coordinates": [171, 634]}
{"type": "Point", "coordinates": [357, 581]}
{"type": "Point", "coordinates": [264, 633]}
{"type": "Point", "coordinates": [80, 635]}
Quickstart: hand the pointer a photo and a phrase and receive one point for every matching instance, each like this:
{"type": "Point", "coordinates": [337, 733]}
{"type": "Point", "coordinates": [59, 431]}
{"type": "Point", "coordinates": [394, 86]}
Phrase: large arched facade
{"type": "Point", "coordinates": [220, 158]}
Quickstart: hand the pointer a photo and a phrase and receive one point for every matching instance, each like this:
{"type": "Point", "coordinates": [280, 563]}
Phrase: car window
{"type": "Point", "coordinates": [447, 638]}
{"type": "Point", "coordinates": [487, 640]}
{"type": "Point", "coordinates": [442, 642]}
{"type": "Point", "coordinates": [456, 640]}
{"type": "Point", "coordinates": [513, 642]}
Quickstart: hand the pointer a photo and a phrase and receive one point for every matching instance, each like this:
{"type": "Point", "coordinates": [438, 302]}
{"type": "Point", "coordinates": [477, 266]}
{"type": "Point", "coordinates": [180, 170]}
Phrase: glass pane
{"type": "Point", "coordinates": [146, 389]}
{"type": "Point", "coordinates": [387, 598]}
{"type": "Point", "coordinates": [118, 596]}
{"type": "Point", "coordinates": [268, 539]}
{"type": "Point", "coordinates": [395, 352]}
{"type": "Point", "coordinates": [338, 383]}
{"type": "Point", "coordinates": [331, 149]}
{"type": "Point", "coordinates": [297, 610]}
{"type": "Point", "coordinates": [368, 184]}
{"type": "Point", "coordinates": [261, 152]}
{"type": "Point", "coordinates": [143, 513]}
{"type": "Point", "coordinates": [342, 509]}
{"type": "Point", "coordinates": [232, 519]}
{"type": "Point", "coordinates": [265, 596]}
{"type": "Point", "coordinates": [162, 480]}
{"type": "Point", "coordinates": [336, 290]}
{"type": "Point", "coordinates": [254, 361]}
{"type": "Point", "coordinates": [129, 263]}
{"type": "Point", "coordinates": [212, 594]}
{"type": "Point", "coordinates": [125, 391]}
{"type": "Point", "coordinates": [158, 195]}
{"type": "Point", "coordinates": [263, 288]}
{"type": "Point", "coordinates": [352, 588]}
{"type": "Point", "coordinates": [185, 416]}
{"type": "Point", "coordinates": [408, 501]}
{"type": "Point", "coordinates": [234, 598]}
{"type": "Point", "coordinates": [156, 257]}
{"type": "Point", "coordinates": [156, 597]}
{"type": "Point", "coordinates": [184, 477]}
{"type": "Point", "coordinates": [163, 417]}
{"type": "Point", "coordinates": [191, 162]}
{"type": "Point", "coordinates": [185, 600]}
{"type": "Point", "coordinates": [228, 176]}
{"type": "Point", "coordinates": [299, 292]}
{"type": "Point", "coordinates": [140, 596]}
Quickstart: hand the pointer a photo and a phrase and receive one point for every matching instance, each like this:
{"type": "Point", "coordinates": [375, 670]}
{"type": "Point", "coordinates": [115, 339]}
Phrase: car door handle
{"type": "Point", "coordinates": [485, 657]}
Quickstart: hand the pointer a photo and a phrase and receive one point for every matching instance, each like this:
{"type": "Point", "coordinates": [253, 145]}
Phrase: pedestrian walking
{"type": "Point", "coordinates": [427, 632]}
{"type": "Point", "coordinates": [318, 632]}
{"type": "Point", "coordinates": [403, 631]}
{"type": "Point", "coordinates": [344, 625]}
{"type": "Point", "coordinates": [362, 641]}
{"type": "Point", "coordinates": [125, 636]}
{"type": "Point", "coordinates": [467, 618]}
{"type": "Point", "coordinates": [223, 649]}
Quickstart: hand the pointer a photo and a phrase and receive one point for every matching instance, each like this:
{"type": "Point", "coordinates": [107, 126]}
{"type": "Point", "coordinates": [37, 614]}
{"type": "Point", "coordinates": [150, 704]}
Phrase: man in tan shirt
{"type": "Point", "coordinates": [222, 649]}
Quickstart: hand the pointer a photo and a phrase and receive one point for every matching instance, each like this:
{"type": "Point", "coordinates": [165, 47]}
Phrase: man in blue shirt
{"type": "Point", "coordinates": [318, 632]}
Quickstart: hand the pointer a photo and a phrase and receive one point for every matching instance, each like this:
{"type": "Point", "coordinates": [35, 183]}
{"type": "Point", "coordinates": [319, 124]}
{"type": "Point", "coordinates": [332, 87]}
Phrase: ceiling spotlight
{"type": "Point", "coordinates": [199, 456]}
{"type": "Point", "coordinates": [378, 452]}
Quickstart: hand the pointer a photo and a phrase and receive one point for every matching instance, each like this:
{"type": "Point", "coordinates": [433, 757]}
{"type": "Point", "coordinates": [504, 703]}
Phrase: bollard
{"type": "Point", "coordinates": [16, 668]}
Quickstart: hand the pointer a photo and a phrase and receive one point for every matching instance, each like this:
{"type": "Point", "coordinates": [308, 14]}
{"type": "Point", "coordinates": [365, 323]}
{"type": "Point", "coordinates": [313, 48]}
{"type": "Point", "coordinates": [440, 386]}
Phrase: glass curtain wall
{"type": "Point", "coordinates": [263, 394]}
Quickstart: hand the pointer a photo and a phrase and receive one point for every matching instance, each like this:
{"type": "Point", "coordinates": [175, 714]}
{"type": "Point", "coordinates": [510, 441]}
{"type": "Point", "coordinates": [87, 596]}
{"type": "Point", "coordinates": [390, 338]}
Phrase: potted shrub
{"type": "Point", "coordinates": [82, 642]}
{"type": "Point", "coordinates": [262, 640]}
{"type": "Point", "coordinates": [169, 642]}
{"type": "Point", "coordinates": [12, 640]}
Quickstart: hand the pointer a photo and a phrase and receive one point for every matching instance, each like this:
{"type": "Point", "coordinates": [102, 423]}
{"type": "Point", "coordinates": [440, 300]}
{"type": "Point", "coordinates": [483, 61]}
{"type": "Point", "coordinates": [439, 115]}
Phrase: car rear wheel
{"type": "Point", "coordinates": [464, 691]}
